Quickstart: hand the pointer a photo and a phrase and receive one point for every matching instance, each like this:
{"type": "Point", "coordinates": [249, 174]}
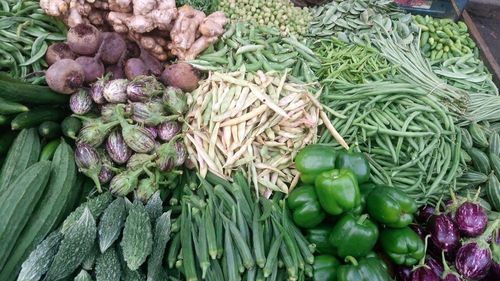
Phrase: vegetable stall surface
{"type": "Point", "coordinates": [258, 122]}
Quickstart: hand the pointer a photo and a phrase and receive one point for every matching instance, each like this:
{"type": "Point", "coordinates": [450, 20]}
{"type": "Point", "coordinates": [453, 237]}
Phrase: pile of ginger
{"type": "Point", "coordinates": [158, 26]}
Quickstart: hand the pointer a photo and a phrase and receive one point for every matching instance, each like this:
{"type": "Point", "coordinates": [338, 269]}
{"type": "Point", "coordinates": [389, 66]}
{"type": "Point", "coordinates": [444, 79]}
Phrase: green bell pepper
{"type": "Point", "coordinates": [366, 269]}
{"type": "Point", "coordinates": [319, 237]}
{"type": "Point", "coordinates": [325, 268]}
{"type": "Point", "coordinates": [356, 162]}
{"type": "Point", "coordinates": [364, 190]}
{"type": "Point", "coordinates": [313, 160]}
{"type": "Point", "coordinates": [337, 191]}
{"type": "Point", "coordinates": [305, 207]}
{"type": "Point", "coordinates": [390, 206]}
{"type": "Point", "coordinates": [402, 245]}
{"type": "Point", "coordinates": [353, 236]}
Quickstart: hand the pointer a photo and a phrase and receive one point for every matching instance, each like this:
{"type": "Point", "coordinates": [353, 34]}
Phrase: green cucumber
{"type": "Point", "coordinates": [10, 107]}
{"type": "Point", "coordinates": [495, 163]}
{"type": "Point", "coordinates": [49, 129]}
{"type": "Point", "coordinates": [6, 140]}
{"type": "Point", "coordinates": [40, 258]}
{"type": "Point", "coordinates": [18, 203]}
{"type": "Point", "coordinates": [480, 160]}
{"type": "Point", "coordinates": [49, 149]}
{"type": "Point", "coordinates": [83, 276]}
{"type": "Point", "coordinates": [96, 205]}
{"type": "Point", "coordinates": [478, 135]}
{"type": "Point", "coordinates": [107, 266]}
{"type": "Point", "coordinates": [50, 210]}
{"type": "Point", "coordinates": [37, 116]}
{"type": "Point", "coordinates": [161, 238]}
{"type": "Point", "coordinates": [27, 93]}
{"type": "Point", "coordinates": [75, 246]}
{"type": "Point", "coordinates": [5, 119]}
{"type": "Point", "coordinates": [495, 143]}
{"type": "Point", "coordinates": [493, 192]}
{"type": "Point", "coordinates": [137, 240]}
{"type": "Point", "coordinates": [22, 154]}
{"type": "Point", "coordinates": [471, 179]}
{"type": "Point", "coordinates": [111, 223]}
{"type": "Point", "coordinates": [71, 126]}
{"type": "Point", "coordinates": [466, 139]}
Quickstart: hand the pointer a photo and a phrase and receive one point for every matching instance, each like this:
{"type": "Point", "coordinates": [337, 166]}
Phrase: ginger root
{"type": "Point", "coordinates": [190, 24]}
{"type": "Point", "coordinates": [157, 25]}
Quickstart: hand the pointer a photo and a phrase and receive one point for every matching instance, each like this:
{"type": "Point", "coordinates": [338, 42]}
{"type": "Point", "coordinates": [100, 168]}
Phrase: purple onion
{"type": "Point", "coordinates": [105, 175]}
{"type": "Point", "coordinates": [471, 219]}
{"type": "Point", "coordinates": [424, 273]}
{"type": "Point", "coordinates": [152, 131]}
{"type": "Point", "coordinates": [444, 235]}
{"type": "Point", "coordinates": [143, 88]}
{"type": "Point", "coordinates": [88, 162]}
{"type": "Point", "coordinates": [434, 265]}
{"type": "Point", "coordinates": [80, 102]}
{"type": "Point", "coordinates": [425, 213]}
{"type": "Point", "coordinates": [97, 91]}
{"type": "Point", "coordinates": [168, 130]}
{"type": "Point", "coordinates": [117, 148]}
{"type": "Point", "coordinates": [402, 273]}
{"type": "Point", "coordinates": [115, 91]}
{"type": "Point", "coordinates": [181, 154]}
{"type": "Point", "coordinates": [175, 100]}
{"type": "Point", "coordinates": [473, 260]}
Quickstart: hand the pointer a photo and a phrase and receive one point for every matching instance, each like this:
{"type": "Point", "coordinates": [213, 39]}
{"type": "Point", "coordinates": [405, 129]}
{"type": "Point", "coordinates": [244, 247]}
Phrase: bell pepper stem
{"type": "Point", "coordinates": [351, 260]}
{"type": "Point", "coordinates": [362, 219]}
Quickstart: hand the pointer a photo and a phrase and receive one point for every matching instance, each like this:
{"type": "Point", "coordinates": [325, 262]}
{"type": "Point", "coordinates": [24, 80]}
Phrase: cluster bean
{"type": "Point", "coordinates": [25, 34]}
{"type": "Point", "coordinates": [409, 139]}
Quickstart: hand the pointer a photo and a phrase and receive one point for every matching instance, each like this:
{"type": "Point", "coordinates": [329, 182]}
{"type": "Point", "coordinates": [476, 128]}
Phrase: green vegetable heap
{"type": "Point", "coordinates": [336, 183]}
{"type": "Point", "coordinates": [443, 38]}
{"type": "Point", "coordinates": [280, 14]}
{"type": "Point", "coordinates": [25, 34]}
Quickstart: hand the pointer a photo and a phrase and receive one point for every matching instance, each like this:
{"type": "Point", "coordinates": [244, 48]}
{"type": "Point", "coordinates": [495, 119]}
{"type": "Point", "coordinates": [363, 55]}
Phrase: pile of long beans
{"type": "Point", "coordinates": [259, 48]}
{"type": "Point", "coordinates": [410, 139]}
{"type": "Point", "coordinates": [226, 233]}
{"type": "Point", "coordinates": [467, 73]}
{"type": "Point", "coordinates": [350, 63]}
{"type": "Point", "coordinates": [25, 34]}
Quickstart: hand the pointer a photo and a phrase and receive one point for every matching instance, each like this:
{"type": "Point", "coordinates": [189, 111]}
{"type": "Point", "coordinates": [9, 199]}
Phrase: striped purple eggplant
{"type": "Point", "coordinates": [117, 148]}
{"type": "Point", "coordinates": [115, 91]}
{"type": "Point", "coordinates": [88, 162]}
{"type": "Point", "coordinates": [143, 88]}
{"type": "Point", "coordinates": [80, 102]}
{"type": "Point", "coordinates": [168, 130]}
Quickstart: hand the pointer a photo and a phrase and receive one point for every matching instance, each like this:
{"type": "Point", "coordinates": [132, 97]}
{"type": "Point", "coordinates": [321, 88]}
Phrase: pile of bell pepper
{"type": "Point", "coordinates": [350, 220]}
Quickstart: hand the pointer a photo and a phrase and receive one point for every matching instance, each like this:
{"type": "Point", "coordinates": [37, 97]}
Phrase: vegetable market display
{"type": "Point", "coordinates": [244, 140]}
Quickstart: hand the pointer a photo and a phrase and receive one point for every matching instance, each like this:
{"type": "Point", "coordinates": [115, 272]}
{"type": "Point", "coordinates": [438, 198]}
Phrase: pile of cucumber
{"type": "Point", "coordinates": [481, 162]}
{"type": "Point", "coordinates": [36, 194]}
{"type": "Point", "coordinates": [25, 105]}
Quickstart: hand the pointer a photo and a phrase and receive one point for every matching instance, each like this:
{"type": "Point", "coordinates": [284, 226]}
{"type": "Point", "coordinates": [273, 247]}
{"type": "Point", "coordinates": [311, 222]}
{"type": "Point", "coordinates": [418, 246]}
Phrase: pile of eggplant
{"type": "Point", "coordinates": [463, 243]}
